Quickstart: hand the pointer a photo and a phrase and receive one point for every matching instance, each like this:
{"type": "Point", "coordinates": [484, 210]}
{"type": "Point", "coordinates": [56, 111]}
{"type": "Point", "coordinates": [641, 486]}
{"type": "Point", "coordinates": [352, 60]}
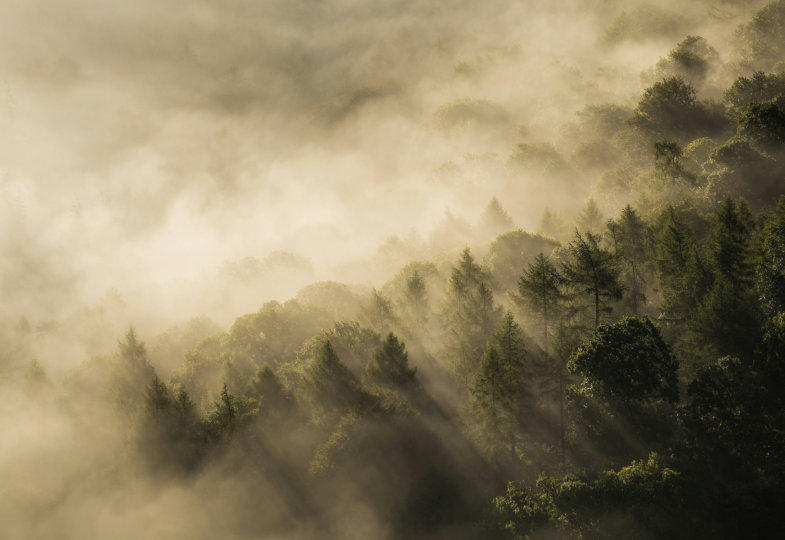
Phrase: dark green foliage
{"type": "Point", "coordinates": [592, 270]}
{"type": "Point", "coordinates": [728, 316]}
{"type": "Point", "coordinates": [471, 315]}
{"type": "Point", "coordinates": [681, 273]}
{"type": "Point", "coordinates": [669, 161]}
{"type": "Point", "coordinates": [493, 404]}
{"type": "Point", "coordinates": [623, 407]}
{"type": "Point", "coordinates": [331, 386]}
{"type": "Point", "coordinates": [670, 109]}
{"type": "Point", "coordinates": [501, 401]}
{"type": "Point", "coordinates": [353, 343]}
{"type": "Point", "coordinates": [729, 242]}
{"type": "Point", "coordinates": [628, 362]}
{"type": "Point", "coordinates": [762, 47]}
{"type": "Point", "coordinates": [540, 292]}
{"type": "Point", "coordinates": [390, 365]}
{"type": "Point", "coordinates": [757, 88]}
{"type": "Point", "coordinates": [690, 60]}
{"type": "Point", "coordinates": [633, 245]}
{"type": "Point", "coordinates": [737, 168]}
{"type": "Point", "coordinates": [641, 500]}
{"type": "Point", "coordinates": [275, 403]}
{"type": "Point", "coordinates": [764, 123]}
{"type": "Point", "coordinates": [170, 436]}
{"type": "Point", "coordinates": [272, 335]}
{"type": "Point", "coordinates": [667, 107]}
{"type": "Point", "coordinates": [770, 277]}
{"type": "Point", "coordinates": [225, 415]}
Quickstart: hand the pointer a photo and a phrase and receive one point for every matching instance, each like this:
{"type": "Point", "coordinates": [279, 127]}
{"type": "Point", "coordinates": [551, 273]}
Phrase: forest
{"type": "Point", "coordinates": [614, 369]}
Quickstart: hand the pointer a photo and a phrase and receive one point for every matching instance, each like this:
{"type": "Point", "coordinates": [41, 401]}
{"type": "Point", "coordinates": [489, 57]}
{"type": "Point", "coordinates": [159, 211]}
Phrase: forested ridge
{"type": "Point", "coordinates": [617, 373]}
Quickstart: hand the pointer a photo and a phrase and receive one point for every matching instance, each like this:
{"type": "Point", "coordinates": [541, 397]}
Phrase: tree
{"type": "Point", "coordinates": [668, 160]}
{"type": "Point", "coordinates": [627, 362]}
{"type": "Point", "coordinates": [761, 44]}
{"type": "Point", "coordinates": [592, 270]}
{"type": "Point", "coordinates": [680, 269]}
{"type": "Point", "coordinates": [274, 401]}
{"type": "Point", "coordinates": [643, 499]}
{"type": "Point", "coordinates": [493, 404]}
{"type": "Point", "coordinates": [590, 219]}
{"type": "Point", "coordinates": [331, 385]}
{"type": "Point", "coordinates": [132, 350]}
{"type": "Point", "coordinates": [225, 414]}
{"type": "Point", "coordinates": [727, 318]}
{"type": "Point", "coordinates": [131, 374]}
{"type": "Point", "coordinates": [764, 123]}
{"type": "Point", "coordinates": [690, 60]}
{"type": "Point", "coordinates": [416, 297]}
{"type": "Point", "coordinates": [770, 274]}
{"type": "Point", "coordinates": [510, 342]}
{"type": "Point", "coordinates": [158, 401]}
{"type": "Point", "coordinates": [540, 292]}
{"type": "Point", "coordinates": [390, 364]}
{"type": "Point", "coordinates": [495, 219]}
{"type": "Point", "coordinates": [757, 88]}
{"type": "Point", "coordinates": [471, 316]}
{"type": "Point", "coordinates": [379, 312]}
{"type": "Point", "coordinates": [511, 252]}
{"type": "Point", "coordinates": [630, 382]}
{"type": "Point", "coordinates": [632, 246]}
{"type": "Point", "coordinates": [667, 108]}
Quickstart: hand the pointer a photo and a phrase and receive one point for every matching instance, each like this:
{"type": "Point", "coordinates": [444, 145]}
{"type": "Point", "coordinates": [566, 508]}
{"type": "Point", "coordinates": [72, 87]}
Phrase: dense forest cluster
{"type": "Point", "coordinates": [617, 374]}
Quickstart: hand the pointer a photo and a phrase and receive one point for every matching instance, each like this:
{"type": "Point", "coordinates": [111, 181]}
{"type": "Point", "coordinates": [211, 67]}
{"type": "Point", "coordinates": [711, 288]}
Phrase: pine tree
{"type": "Point", "coordinates": [770, 278]}
{"type": "Point", "coordinates": [379, 312]}
{"type": "Point", "coordinates": [493, 404]}
{"type": "Point", "coordinates": [471, 317]}
{"type": "Point", "coordinates": [540, 292]}
{"type": "Point", "coordinates": [390, 364]}
{"type": "Point", "coordinates": [331, 385]}
{"type": "Point", "coordinates": [495, 220]}
{"type": "Point", "coordinates": [728, 317]}
{"type": "Point", "coordinates": [632, 246]}
{"type": "Point", "coordinates": [274, 401]}
{"type": "Point", "coordinates": [680, 269]}
{"type": "Point", "coordinates": [416, 298]}
{"type": "Point", "coordinates": [590, 219]}
{"type": "Point", "coordinates": [592, 270]}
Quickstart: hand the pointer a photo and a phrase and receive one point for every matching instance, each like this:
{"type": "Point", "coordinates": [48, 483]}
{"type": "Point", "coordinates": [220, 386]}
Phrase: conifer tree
{"type": "Point", "coordinates": [493, 404]}
{"type": "Point", "coordinates": [416, 297]}
{"type": "Point", "coordinates": [540, 293]}
{"type": "Point", "coordinates": [593, 271]}
{"type": "Point", "coordinates": [390, 364]}
{"type": "Point", "coordinates": [471, 316]}
{"type": "Point", "coordinates": [590, 219]}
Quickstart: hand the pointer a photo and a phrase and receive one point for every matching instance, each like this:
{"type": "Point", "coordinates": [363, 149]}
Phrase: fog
{"type": "Point", "coordinates": [162, 161]}
{"type": "Point", "coordinates": [143, 145]}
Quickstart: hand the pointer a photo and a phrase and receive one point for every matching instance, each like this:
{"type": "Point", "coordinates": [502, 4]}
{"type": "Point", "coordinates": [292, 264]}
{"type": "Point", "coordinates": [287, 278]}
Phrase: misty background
{"type": "Point", "coordinates": [146, 146]}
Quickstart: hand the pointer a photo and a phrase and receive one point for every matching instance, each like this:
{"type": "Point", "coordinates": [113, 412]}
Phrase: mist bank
{"type": "Point", "coordinates": [143, 148]}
